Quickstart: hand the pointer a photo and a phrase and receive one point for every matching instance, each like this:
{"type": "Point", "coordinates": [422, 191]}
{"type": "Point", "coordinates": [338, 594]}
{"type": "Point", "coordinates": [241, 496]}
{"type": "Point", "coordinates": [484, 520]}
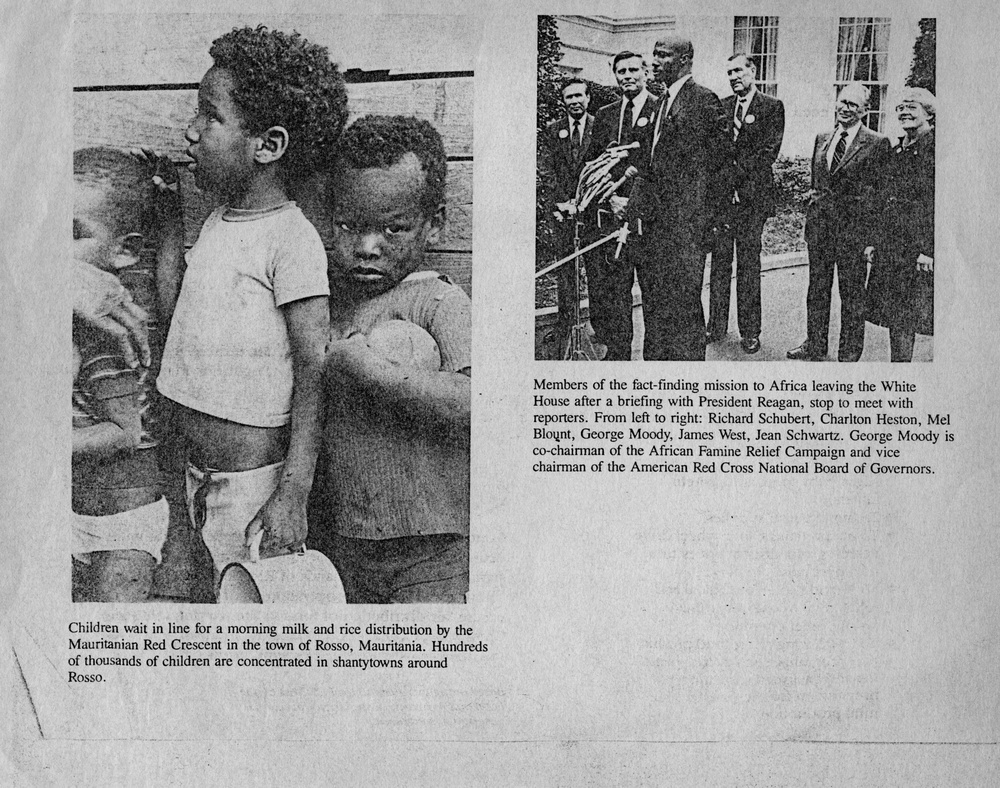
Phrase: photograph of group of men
{"type": "Point", "coordinates": [686, 181]}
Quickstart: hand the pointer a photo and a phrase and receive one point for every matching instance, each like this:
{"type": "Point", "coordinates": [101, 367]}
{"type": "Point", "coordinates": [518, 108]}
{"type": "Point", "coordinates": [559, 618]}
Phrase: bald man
{"type": "Point", "coordinates": [847, 168]}
{"type": "Point", "coordinates": [672, 197]}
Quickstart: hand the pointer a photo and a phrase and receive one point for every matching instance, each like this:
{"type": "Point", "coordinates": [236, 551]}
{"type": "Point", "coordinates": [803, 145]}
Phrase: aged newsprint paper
{"type": "Point", "coordinates": [718, 573]}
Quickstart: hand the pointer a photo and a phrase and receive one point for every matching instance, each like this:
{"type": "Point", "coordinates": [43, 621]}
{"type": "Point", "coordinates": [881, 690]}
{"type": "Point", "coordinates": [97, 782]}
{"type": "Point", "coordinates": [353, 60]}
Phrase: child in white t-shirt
{"type": "Point", "coordinates": [250, 320]}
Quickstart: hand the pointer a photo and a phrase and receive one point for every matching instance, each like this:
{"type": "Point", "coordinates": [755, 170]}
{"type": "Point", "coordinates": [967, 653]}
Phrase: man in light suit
{"type": "Point", "coordinates": [690, 147]}
{"type": "Point", "coordinates": [758, 125]}
{"type": "Point", "coordinates": [566, 148]}
{"type": "Point", "coordinates": [609, 280]}
{"type": "Point", "coordinates": [846, 169]}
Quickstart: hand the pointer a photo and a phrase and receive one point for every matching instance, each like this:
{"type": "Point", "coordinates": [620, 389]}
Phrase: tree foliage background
{"type": "Point", "coordinates": [923, 69]}
{"type": "Point", "coordinates": [549, 108]}
{"type": "Point", "coordinates": [549, 75]}
{"type": "Point", "coordinates": [550, 79]}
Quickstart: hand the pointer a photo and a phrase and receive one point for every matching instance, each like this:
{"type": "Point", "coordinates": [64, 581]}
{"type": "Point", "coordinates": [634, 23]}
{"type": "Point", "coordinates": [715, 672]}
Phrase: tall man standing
{"type": "Point", "coordinates": [758, 125]}
{"type": "Point", "coordinates": [565, 150]}
{"type": "Point", "coordinates": [690, 146]}
{"type": "Point", "coordinates": [846, 169]}
{"type": "Point", "coordinates": [609, 280]}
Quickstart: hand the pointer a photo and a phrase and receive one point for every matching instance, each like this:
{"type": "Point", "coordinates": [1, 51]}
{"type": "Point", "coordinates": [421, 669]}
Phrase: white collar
{"type": "Point", "coordinates": [675, 88]}
{"type": "Point", "coordinates": [665, 106]}
{"type": "Point", "coordinates": [582, 121]}
{"type": "Point", "coordinates": [745, 100]}
{"type": "Point", "coordinates": [852, 132]}
{"type": "Point", "coordinates": [849, 139]}
{"type": "Point", "coordinates": [637, 103]}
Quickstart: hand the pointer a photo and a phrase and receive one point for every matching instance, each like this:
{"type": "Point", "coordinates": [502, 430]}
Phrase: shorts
{"type": "Point", "coordinates": [144, 528]}
{"type": "Point", "coordinates": [405, 570]}
{"type": "Point", "coordinates": [222, 504]}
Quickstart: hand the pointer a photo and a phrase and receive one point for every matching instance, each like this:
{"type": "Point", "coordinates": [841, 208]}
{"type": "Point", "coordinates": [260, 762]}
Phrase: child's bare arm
{"type": "Point", "coordinates": [100, 440]}
{"type": "Point", "coordinates": [169, 211]}
{"type": "Point", "coordinates": [283, 517]}
{"type": "Point", "coordinates": [100, 301]}
{"type": "Point", "coordinates": [442, 399]}
{"type": "Point", "coordinates": [120, 431]}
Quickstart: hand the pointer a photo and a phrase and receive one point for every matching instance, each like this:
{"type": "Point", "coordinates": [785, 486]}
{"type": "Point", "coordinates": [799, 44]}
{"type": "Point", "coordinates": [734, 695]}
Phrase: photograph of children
{"type": "Point", "coordinates": [272, 316]}
{"type": "Point", "coordinates": [700, 180]}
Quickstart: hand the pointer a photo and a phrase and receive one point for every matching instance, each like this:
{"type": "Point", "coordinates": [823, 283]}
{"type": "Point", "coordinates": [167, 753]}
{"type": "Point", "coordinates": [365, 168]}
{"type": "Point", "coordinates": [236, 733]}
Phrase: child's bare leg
{"type": "Point", "coordinates": [121, 575]}
{"type": "Point", "coordinates": [82, 582]}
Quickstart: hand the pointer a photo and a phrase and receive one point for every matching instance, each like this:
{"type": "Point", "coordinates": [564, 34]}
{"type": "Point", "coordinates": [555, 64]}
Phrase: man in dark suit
{"type": "Point", "coordinates": [758, 125]}
{"type": "Point", "coordinates": [609, 280]}
{"type": "Point", "coordinates": [672, 200]}
{"type": "Point", "coordinates": [846, 170]}
{"type": "Point", "coordinates": [566, 148]}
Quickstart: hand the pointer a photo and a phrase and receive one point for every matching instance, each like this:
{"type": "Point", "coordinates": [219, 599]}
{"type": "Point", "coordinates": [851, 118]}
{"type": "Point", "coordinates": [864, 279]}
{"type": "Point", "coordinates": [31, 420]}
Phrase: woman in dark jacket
{"type": "Point", "coordinates": [901, 283]}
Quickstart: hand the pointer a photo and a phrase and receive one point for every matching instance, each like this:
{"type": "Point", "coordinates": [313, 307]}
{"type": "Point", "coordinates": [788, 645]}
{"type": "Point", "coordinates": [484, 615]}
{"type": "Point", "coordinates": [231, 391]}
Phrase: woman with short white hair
{"type": "Point", "coordinates": [901, 282]}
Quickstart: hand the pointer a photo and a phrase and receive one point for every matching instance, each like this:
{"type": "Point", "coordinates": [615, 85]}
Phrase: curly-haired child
{"type": "Point", "coordinates": [250, 318]}
{"type": "Point", "coordinates": [391, 505]}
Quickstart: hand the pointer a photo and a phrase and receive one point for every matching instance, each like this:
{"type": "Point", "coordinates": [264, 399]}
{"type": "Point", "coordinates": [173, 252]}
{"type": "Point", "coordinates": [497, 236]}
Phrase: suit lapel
{"type": "Point", "coordinates": [667, 119]}
{"type": "Point", "coordinates": [649, 108]}
{"type": "Point", "coordinates": [820, 171]}
{"type": "Point", "coordinates": [825, 148]}
{"type": "Point", "coordinates": [678, 101]}
{"type": "Point", "coordinates": [755, 110]}
{"type": "Point", "coordinates": [861, 139]}
{"type": "Point", "coordinates": [588, 130]}
{"type": "Point", "coordinates": [657, 122]}
{"type": "Point", "coordinates": [729, 107]}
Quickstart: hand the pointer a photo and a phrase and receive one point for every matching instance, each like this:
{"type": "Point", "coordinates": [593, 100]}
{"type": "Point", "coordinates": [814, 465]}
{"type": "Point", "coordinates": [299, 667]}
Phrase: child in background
{"type": "Point", "coordinates": [245, 347]}
{"type": "Point", "coordinates": [120, 516]}
{"type": "Point", "coordinates": [391, 504]}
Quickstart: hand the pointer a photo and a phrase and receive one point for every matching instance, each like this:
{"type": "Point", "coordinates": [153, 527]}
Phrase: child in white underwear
{"type": "Point", "coordinates": [119, 514]}
{"type": "Point", "coordinates": [245, 347]}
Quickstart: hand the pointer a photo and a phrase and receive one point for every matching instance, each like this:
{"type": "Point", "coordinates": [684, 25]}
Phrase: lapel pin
{"type": "Point", "coordinates": [642, 122]}
{"type": "Point", "coordinates": [563, 134]}
{"type": "Point", "coordinates": [749, 119]}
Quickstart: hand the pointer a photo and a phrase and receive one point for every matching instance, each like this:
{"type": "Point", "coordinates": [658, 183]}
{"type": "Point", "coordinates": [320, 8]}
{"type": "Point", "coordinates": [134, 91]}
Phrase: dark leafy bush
{"type": "Point", "coordinates": [792, 177]}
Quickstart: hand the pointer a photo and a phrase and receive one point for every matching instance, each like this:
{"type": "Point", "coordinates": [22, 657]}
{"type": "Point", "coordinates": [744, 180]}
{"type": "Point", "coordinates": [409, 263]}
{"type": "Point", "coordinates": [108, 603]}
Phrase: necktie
{"type": "Point", "coordinates": [625, 132]}
{"type": "Point", "coordinates": [839, 150]}
{"type": "Point", "coordinates": [738, 120]}
{"type": "Point", "coordinates": [576, 138]}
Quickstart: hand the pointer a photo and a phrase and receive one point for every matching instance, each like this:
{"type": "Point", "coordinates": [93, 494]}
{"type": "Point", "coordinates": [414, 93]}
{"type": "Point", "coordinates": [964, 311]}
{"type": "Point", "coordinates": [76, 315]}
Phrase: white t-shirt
{"type": "Point", "coordinates": [227, 352]}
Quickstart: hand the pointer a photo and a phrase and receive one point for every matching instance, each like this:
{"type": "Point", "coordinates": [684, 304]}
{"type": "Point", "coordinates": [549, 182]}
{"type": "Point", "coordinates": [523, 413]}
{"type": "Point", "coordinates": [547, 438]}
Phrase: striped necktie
{"type": "Point", "coordinates": [839, 150]}
{"type": "Point", "coordinates": [738, 120]}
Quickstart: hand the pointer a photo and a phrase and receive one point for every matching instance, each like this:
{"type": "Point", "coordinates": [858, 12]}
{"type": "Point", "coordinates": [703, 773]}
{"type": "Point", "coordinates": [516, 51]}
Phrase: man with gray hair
{"type": "Point", "coordinates": [758, 125]}
{"type": "Point", "coordinates": [846, 171]}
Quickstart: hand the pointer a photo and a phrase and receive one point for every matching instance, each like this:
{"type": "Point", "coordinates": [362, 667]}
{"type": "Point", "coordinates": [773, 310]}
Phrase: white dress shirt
{"type": "Point", "coordinates": [672, 92]}
{"type": "Point", "coordinates": [852, 132]}
{"type": "Point", "coordinates": [637, 104]}
{"type": "Point", "coordinates": [744, 102]}
{"type": "Point", "coordinates": [582, 120]}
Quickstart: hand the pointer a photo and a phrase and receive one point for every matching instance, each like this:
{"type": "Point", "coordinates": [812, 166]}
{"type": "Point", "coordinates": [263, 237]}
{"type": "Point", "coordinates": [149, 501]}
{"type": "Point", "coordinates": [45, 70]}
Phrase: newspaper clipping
{"type": "Point", "coordinates": [264, 526]}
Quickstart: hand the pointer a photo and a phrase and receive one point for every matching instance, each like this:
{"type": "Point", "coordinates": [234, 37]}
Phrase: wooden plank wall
{"type": "Point", "coordinates": [136, 85]}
